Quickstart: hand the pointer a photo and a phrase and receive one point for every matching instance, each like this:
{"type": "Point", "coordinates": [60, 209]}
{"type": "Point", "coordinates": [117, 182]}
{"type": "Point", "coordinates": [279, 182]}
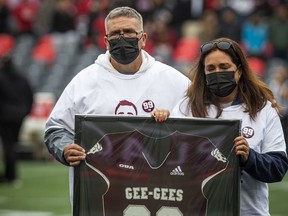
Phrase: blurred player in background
{"type": "Point", "coordinates": [16, 99]}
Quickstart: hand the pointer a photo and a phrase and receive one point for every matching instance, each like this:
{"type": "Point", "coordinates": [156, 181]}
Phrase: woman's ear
{"type": "Point", "coordinates": [239, 71]}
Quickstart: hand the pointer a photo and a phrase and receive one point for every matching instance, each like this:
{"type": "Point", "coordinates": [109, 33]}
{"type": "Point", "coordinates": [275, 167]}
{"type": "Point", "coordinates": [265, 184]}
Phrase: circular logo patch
{"type": "Point", "coordinates": [247, 132]}
{"type": "Point", "coordinates": [148, 106]}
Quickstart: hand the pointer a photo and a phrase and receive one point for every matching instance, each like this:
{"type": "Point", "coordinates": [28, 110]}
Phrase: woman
{"type": "Point", "coordinates": [223, 86]}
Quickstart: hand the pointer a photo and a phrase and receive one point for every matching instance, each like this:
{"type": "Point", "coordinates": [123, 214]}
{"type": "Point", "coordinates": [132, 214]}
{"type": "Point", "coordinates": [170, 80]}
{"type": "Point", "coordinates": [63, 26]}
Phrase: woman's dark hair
{"type": "Point", "coordinates": [253, 92]}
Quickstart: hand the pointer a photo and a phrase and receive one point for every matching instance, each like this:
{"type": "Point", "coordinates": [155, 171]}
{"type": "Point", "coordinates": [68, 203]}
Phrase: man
{"type": "Point", "coordinates": [16, 99]}
{"type": "Point", "coordinates": [124, 72]}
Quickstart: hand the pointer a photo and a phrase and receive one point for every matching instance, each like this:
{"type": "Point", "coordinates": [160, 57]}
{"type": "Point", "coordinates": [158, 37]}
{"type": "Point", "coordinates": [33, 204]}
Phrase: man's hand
{"type": "Point", "coordinates": [74, 154]}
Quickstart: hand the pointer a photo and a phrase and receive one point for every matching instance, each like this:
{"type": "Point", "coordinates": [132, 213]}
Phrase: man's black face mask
{"type": "Point", "coordinates": [124, 50]}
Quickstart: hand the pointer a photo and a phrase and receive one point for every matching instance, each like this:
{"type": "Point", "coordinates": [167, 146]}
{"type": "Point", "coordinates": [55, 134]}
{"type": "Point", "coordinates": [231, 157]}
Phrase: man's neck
{"type": "Point", "coordinates": [131, 68]}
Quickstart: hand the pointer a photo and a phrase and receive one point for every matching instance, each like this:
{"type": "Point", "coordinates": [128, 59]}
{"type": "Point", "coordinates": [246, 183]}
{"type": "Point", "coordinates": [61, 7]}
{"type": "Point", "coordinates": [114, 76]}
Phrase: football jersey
{"type": "Point", "coordinates": [138, 175]}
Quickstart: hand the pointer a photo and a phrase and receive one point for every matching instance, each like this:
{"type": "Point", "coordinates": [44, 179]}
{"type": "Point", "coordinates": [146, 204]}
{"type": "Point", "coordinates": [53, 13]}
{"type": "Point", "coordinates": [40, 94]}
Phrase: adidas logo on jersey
{"type": "Point", "coordinates": [177, 171]}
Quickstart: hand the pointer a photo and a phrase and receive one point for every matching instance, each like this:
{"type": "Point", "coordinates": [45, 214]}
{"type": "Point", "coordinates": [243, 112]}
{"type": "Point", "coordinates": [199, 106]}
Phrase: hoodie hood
{"type": "Point", "coordinates": [104, 61]}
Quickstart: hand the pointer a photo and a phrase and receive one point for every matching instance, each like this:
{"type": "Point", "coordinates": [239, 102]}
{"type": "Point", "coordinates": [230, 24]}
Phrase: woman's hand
{"type": "Point", "coordinates": [160, 115]}
{"type": "Point", "coordinates": [242, 148]}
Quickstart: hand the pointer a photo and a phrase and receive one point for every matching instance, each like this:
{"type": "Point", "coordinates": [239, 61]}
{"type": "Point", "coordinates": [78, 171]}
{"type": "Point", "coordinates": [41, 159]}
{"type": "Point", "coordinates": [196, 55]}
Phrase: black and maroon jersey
{"type": "Point", "coordinates": [134, 174]}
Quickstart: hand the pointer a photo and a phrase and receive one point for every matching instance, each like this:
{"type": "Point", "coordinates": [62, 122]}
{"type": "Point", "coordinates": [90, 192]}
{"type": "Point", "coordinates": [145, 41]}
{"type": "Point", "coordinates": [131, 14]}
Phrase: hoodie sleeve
{"type": "Point", "coordinates": [55, 140]}
{"type": "Point", "coordinates": [268, 167]}
{"type": "Point", "coordinates": [270, 164]}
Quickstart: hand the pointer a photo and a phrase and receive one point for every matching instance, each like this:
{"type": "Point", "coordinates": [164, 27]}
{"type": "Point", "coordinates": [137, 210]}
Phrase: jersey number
{"type": "Point", "coordinates": [148, 105]}
{"type": "Point", "coordinates": [133, 210]}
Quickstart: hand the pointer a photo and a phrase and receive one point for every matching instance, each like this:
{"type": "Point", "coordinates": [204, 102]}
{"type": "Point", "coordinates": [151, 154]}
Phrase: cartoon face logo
{"type": "Point", "coordinates": [148, 106]}
{"type": "Point", "coordinates": [126, 108]}
{"type": "Point", "coordinates": [247, 132]}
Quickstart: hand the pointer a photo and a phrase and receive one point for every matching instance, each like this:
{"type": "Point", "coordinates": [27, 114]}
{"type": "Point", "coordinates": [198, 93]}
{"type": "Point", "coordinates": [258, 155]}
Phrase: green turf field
{"type": "Point", "coordinates": [44, 192]}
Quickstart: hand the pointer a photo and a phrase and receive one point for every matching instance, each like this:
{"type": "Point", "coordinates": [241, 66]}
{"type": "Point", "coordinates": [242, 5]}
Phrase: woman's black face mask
{"type": "Point", "coordinates": [221, 83]}
{"type": "Point", "coordinates": [124, 50]}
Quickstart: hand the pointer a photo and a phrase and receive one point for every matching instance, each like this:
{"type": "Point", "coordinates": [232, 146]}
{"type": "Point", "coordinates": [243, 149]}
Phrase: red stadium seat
{"type": "Point", "coordinates": [257, 65]}
{"type": "Point", "coordinates": [7, 43]}
{"type": "Point", "coordinates": [44, 50]}
{"type": "Point", "coordinates": [187, 50]}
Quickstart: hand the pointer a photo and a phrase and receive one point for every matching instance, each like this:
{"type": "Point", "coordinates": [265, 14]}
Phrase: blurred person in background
{"type": "Point", "coordinates": [97, 12]}
{"type": "Point", "coordinates": [224, 87]}
{"type": "Point", "coordinates": [279, 85]}
{"type": "Point", "coordinates": [24, 16]}
{"type": "Point", "coordinates": [254, 37]}
{"type": "Point", "coordinates": [16, 99]}
{"type": "Point", "coordinates": [4, 17]}
{"type": "Point", "coordinates": [44, 18]}
{"type": "Point", "coordinates": [209, 24]}
{"type": "Point", "coordinates": [278, 31]}
{"type": "Point", "coordinates": [63, 17]}
{"type": "Point", "coordinates": [228, 24]}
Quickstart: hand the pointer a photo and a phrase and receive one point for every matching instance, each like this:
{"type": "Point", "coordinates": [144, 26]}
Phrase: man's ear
{"type": "Point", "coordinates": [106, 42]}
{"type": "Point", "coordinates": [144, 39]}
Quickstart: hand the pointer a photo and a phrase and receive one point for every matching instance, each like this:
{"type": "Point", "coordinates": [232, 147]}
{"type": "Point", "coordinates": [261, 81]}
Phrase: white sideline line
{"type": "Point", "coordinates": [279, 186]}
{"type": "Point", "coordinates": [23, 213]}
{"type": "Point", "coordinates": [57, 200]}
{"type": "Point", "coordinates": [27, 213]}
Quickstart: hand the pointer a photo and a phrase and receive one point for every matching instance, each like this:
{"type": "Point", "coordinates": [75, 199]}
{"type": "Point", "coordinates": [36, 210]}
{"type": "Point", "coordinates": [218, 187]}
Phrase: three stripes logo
{"type": "Point", "coordinates": [177, 171]}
